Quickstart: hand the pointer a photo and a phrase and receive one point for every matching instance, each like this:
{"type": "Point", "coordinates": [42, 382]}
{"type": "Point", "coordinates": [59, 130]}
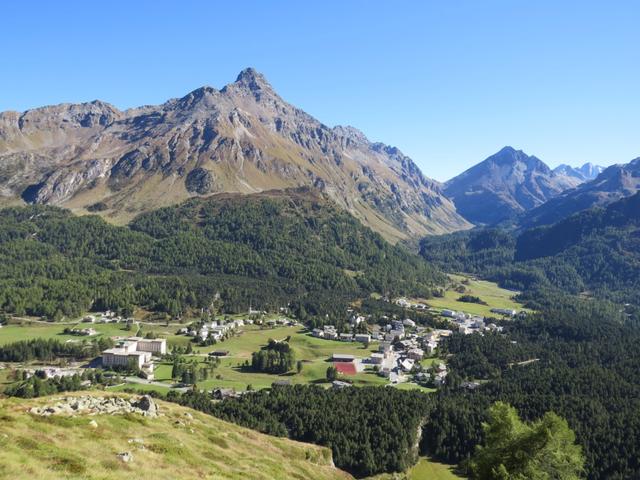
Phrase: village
{"type": "Point", "coordinates": [397, 350]}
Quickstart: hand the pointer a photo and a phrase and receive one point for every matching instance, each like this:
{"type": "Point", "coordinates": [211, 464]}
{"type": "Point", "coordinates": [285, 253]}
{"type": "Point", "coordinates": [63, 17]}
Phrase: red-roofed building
{"type": "Point", "coordinates": [345, 368]}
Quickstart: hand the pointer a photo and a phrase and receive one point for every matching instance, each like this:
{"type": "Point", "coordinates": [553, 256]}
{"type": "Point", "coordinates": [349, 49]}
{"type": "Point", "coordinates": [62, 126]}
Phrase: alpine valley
{"type": "Point", "coordinates": [223, 287]}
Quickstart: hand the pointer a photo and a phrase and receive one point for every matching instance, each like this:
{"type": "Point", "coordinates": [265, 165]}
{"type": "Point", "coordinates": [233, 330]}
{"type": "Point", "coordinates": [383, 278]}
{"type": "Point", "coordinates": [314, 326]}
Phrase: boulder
{"type": "Point", "coordinates": [148, 406]}
{"type": "Point", "coordinates": [126, 457]}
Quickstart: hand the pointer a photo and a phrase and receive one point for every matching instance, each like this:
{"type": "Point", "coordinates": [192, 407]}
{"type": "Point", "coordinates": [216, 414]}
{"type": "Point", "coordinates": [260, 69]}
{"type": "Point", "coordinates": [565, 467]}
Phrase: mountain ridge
{"type": "Point", "coordinates": [614, 183]}
{"type": "Point", "coordinates": [504, 185]}
{"type": "Point", "coordinates": [242, 138]}
{"type": "Point", "coordinates": [585, 173]}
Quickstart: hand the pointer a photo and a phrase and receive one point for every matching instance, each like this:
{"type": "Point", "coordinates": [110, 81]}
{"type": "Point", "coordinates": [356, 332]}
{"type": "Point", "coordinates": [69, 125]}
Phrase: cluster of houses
{"type": "Point", "coordinates": [438, 377]}
{"type": "Point", "coordinates": [401, 347]}
{"type": "Point", "coordinates": [137, 351]}
{"type": "Point", "coordinates": [214, 330]}
{"type": "Point", "coordinates": [107, 316]}
{"type": "Point", "coordinates": [405, 303]}
{"type": "Point", "coordinates": [467, 323]}
{"type": "Point", "coordinates": [280, 321]}
{"type": "Point", "coordinates": [329, 332]}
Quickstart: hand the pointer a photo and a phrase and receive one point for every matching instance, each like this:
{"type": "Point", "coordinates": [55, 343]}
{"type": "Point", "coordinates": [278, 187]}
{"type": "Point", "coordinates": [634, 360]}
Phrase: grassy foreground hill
{"type": "Point", "coordinates": [179, 444]}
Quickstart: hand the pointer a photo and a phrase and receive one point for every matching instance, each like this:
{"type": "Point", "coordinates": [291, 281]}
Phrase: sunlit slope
{"type": "Point", "coordinates": [180, 444]}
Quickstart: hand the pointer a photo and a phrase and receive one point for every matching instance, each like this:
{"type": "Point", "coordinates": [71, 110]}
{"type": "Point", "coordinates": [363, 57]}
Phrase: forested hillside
{"type": "Point", "coordinates": [577, 356]}
{"type": "Point", "coordinates": [596, 251]}
{"type": "Point", "coordinates": [269, 249]}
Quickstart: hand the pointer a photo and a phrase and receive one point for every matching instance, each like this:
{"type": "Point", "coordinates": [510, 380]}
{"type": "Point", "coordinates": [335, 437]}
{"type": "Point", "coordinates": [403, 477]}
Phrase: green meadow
{"type": "Point", "coordinates": [232, 372]}
{"type": "Point", "coordinates": [425, 469]}
{"type": "Point", "coordinates": [489, 292]}
{"type": "Point", "coordinates": [313, 352]}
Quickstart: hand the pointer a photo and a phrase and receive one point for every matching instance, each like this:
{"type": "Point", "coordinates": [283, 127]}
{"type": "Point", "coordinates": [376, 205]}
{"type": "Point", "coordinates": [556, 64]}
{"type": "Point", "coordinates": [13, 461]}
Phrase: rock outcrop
{"type": "Point", "coordinates": [90, 405]}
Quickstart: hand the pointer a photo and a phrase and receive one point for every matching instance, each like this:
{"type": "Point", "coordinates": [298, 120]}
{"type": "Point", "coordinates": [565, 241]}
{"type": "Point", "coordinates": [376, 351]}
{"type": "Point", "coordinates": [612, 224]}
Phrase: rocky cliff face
{"type": "Point", "coordinates": [505, 185]}
{"type": "Point", "coordinates": [242, 138]}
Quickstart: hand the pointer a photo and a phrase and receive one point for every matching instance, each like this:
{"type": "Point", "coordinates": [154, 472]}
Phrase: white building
{"type": "Point", "coordinates": [407, 364]}
{"type": "Point", "coordinates": [115, 357]}
{"type": "Point", "coordinates": [431, 348]}
{"type": "Point", "coordinates": [157, 346]}
{"type": "Point", "coordinates": [342, 357]}
{"type": "Point", "coordinates": [362, 338]}
{"type": "Point", "coordinates": [138, 350]}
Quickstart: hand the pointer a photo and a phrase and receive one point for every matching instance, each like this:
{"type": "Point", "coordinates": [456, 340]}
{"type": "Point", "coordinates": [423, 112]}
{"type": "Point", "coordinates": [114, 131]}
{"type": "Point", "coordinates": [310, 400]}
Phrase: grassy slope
{"type": "Point", "coordinates": [175, 447]}
{"type": "Point", "coordinates": [425, 469]}
{"type": "Point", "coordinates": [490, 292]}
{"type": "Point", "coordinates": [26, 331]}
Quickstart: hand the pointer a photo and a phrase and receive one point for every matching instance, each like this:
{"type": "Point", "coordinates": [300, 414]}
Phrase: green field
{"type": "Point", "coordinates": [425, 469]}
{"type": "Point", "coordinates": [491, 293]}
{"type": "Point", "coordinates": [313, 352]}
{"type": "Point", "coordinates": [27, 330]}
{"type": "Point", "coordinates": [232, 372]}
{"type": "Point", "coordinates": [414, 386]}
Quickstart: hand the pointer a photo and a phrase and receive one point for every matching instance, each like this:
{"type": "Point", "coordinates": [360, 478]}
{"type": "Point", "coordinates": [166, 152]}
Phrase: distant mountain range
{"type": "Point", "coordinates": [614, 183]}
{"type": "Point", "coordinates": [585, 173]}
{"type": "Point", "coordinates": [505, 185]}
{"type": "Point", "coordinates": [243, 138]}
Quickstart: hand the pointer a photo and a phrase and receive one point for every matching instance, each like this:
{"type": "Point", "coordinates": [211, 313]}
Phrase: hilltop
{"type": "Point", "coordinates": [179, 444]}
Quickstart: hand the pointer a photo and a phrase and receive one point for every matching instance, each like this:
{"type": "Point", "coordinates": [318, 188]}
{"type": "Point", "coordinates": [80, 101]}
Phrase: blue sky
{"type": "Point", "coordinates": [448, 82]}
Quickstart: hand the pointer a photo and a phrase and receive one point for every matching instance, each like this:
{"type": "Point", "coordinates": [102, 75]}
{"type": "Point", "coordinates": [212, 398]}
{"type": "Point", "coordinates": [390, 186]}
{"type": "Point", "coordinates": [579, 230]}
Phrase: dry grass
{"type": "Point", "coordinates": [173, 446]}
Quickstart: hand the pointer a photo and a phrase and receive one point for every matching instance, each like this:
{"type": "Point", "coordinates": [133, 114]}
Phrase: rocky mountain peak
{"type": "Point", "coordinates": [504, 185]}
{"type": "Point", "coordinates": [243, 138]}
{"type": "Point", "coordinates": [511, 156]}
{"type": "Point", "coordinates": [205, 96]}
{"type": "Point", "coordinates": [252, 79]}
{"type": "Point", "coordinates": [585, 173]}
{"type": "Point", "coordinates": [635, 162]}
